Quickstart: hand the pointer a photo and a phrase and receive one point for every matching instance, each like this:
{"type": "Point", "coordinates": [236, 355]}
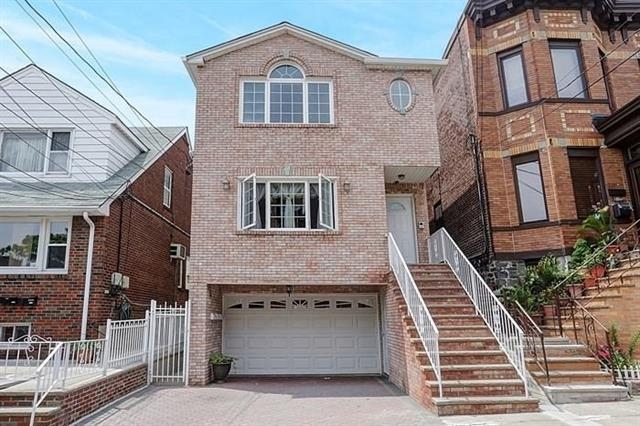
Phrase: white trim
{"type": "Point", "coordinates": [47, 150]}
{"type": "Point", "coordinates": [167, 191]}
{"type": "Point", "coordinates": [40, 266]}
{"type": "Point", "coordinates": [254, 202]}
{"type": "Point", "coordinates": [15, 324]}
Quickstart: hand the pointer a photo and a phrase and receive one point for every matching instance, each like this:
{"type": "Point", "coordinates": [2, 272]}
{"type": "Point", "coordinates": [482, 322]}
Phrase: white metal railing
{"type": "Point", "coordinates": [442, 248]}
{"type": "Point", "coordinates": [19, 358]}
{"type": "Point", "coordinates": [425, 325]}
{"type": "Point", "coordinates": [48, 374]}
{"type": "Point", "coordinates": [126, 342]}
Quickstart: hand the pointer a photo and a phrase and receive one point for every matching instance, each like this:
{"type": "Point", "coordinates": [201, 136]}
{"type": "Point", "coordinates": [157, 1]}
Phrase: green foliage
{"type": "Point", "coordinates": [220, 358]}
{"type": "Point", "coordinates": [622, 357]}
{"type": "Point", "coordinates": [537, 287]}
{"type": "Point", "coordinates": [597, 227]}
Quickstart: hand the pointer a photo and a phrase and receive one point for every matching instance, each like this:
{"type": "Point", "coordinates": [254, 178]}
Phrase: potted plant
{"type": "Point", "coordinates": [220, 366]}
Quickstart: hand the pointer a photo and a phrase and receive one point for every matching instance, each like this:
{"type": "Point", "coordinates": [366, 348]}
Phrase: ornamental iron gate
{"type": "Point", "coordinates": [169, 343]}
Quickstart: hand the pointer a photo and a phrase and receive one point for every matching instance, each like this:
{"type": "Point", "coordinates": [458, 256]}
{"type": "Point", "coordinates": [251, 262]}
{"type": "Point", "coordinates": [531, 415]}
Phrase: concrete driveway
{"type": "Point", "coordinates": [270, 401]}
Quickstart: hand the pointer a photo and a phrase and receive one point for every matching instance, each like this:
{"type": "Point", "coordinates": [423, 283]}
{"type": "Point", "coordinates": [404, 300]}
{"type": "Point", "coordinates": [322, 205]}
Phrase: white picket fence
{"type": "Point", "coordinates": [626, 373]}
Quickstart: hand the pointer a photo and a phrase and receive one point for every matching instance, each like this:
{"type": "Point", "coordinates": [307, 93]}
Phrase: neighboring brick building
{"type": "Point", "coordinates": [522, 164]}
{"type": "Point", "coordinates": [308, 152]}
{"type": "Point", "coordinates": [133, 183]}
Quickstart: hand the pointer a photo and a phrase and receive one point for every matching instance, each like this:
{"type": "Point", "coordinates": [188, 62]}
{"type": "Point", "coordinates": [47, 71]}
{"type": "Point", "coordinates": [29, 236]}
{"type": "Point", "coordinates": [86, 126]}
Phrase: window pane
{"type": "Point", "coordinates": [566, 69]}
{"type": "Point", "coordinates": [60, 141]}
{"type": "Point", "coordinates": [20, 331]}
{"type": "Point", "coordinates": [286, 71]}
{"type": "Point", "coordinates": [23, 151]}
{"type": "Point", "coordinates": [59, 233]}
{"type": "Point", "coordinates": [587, 186]}
{"type": "Point", "coordinates": [288, 208]}
{"type": "Point", "coordinates": [253, 103]}
{"type": "Point", "coordinates": [514, 80]}
{"type": "Point", "coordinates": [318, 103]}
{"type": "Point", "coordinates": [286, 103]}
{"type": "Point", "coordinates": [19, 244]}
{"type": "Point", "coordinates": [530, 190]}
{"type": "Point", "coordinates": [58, 161]}
{"type": "Point", "coordinates": [56, 257]}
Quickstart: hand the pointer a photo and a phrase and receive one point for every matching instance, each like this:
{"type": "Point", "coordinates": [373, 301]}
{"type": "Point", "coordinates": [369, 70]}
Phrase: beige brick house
{"type": "Point", "coordinates": [308, 152]}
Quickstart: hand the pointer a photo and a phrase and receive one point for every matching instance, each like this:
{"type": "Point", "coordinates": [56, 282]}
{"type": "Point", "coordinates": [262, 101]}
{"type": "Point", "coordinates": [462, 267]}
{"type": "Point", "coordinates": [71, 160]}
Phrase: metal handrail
{"type": "Point", "coordinates": [531, 333]}
{"type": "Point", "coordinates": [510, 337]}
{"type": "Point", "coordinates": [47, 376]}
{"type": "Point", "coordinates": [423, 320]}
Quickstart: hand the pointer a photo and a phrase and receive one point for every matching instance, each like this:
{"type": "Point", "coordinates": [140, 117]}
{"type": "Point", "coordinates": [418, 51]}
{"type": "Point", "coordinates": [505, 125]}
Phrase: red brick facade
{"type": "Point", "coordinates": [133, 239]}
{"type": "Point", "coordinates": [366, 135]}
{"type": "Point", "coordinates": [469, 101]}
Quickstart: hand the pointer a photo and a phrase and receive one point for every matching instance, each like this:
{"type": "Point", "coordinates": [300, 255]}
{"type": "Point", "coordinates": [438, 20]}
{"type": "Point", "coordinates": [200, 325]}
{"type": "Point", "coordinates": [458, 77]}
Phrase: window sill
{"type": "Point", "coordinates": [292, 232]}
{"type": "Point", "coordinates": [31, 273]}
{"type": "Point", "coordinates": [288, 125]}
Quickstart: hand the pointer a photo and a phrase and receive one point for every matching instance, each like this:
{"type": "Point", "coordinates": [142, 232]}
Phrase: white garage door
{"type": "Point", "coordinates": [310, 334]}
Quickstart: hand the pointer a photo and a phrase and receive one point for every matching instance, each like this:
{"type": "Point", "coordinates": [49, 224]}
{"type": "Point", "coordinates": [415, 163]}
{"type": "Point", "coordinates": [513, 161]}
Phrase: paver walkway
{"type": "Point", "coordinates": [332, 402]}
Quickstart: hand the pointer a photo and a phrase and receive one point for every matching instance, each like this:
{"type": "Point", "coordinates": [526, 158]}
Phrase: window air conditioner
{"type": "Point", "coordinates": [177, 251]}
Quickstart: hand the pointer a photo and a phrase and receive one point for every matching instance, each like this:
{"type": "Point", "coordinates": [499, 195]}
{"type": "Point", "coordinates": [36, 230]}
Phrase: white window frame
{"type": "Point", "coordinates": [167, 191]}
{"type": "Point", "coordinates": [40, 266]}
{"type": "Point", "coordinates": [45, 168]}
{"type": "Point", "coordinates": [4, 325]}
{"type": "Point", "coordinates": [323, 179]}
{"type": "Point", "coordinates": [267, 97]}
{"type": "Point", "coordinates": [254, 219]}
{"type": "Point", "coordinates": [307, 196]}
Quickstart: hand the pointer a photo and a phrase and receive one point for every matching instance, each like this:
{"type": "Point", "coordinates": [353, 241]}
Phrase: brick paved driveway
{"type": "Point", "coordinates": [270, 401]}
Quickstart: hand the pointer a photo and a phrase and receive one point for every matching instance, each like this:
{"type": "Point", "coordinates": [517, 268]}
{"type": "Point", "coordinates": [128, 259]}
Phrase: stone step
{"type": "Point", "coordinates": [478, 330]}
{"type": "Point", "coordinates": [573, 377]}
{"type": "Point", "coordinates": [441, 290]}
{"type": "Point", "coordinates": [566, 349]}
{"type": "Point", "coordinates": [467, 388]}
{"type": "Point", "coordinates": [472, 372]}
{"type": "Point", "coordinates": [485, 405]}
{"type": "Point", "coordinates": [491, 356]}
{"type": "Point", "coordinates": [451, 308]}
{"type": "Point", "coordinates": [457, 319]}
{"type": "Point", "coordinates": [467, 343]}
{"type": "Point", "coordinates": [456, 299]}
{"type": "Point", "coordinates": [575, 363]}
{"type": "Point", "coordinates": [585, 393]}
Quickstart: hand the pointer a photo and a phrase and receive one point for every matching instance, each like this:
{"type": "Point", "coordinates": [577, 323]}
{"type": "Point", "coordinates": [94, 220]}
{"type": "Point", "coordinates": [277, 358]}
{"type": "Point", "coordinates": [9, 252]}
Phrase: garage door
{"type": "Point", "coordinates": [310, 334]}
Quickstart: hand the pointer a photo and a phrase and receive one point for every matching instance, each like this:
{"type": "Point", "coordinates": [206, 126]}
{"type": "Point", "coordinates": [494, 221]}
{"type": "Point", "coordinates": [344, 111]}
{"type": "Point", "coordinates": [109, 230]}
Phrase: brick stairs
{"type": "Point", "coordinates": [477, 378]}
{"type": "Point", "coordinates": [15, 408]}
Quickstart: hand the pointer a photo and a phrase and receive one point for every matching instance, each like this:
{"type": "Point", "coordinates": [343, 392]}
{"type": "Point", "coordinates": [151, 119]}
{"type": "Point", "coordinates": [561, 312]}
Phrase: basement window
{"type": "Point", "coordinates": [10, 332]}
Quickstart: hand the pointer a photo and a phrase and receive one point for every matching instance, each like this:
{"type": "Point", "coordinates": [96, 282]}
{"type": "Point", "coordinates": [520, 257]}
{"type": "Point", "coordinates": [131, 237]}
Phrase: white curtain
{"type": "Point", "coordinates": [295, 190]}
{"type": "Point", "coordinates": [23, 151]}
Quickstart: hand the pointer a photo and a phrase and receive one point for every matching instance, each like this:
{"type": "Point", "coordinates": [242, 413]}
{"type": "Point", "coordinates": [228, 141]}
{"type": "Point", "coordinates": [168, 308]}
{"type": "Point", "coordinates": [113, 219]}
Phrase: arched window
{"type": "Point", "coordinates": [286, 96]}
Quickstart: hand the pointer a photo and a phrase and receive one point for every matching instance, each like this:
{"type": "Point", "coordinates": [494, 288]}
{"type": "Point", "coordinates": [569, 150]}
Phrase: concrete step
{"type": "Point", "coordinates": [467, 388]}
{"type": "Point", "coordinates": [485, 405]}
{"type": "Point", "coordinates": [573, 377]}
{"type": "Point", "coordinates": [478, 330]}
{"type": "Point", "coordinates": [585, 393]}
{"type": "Point", "coordinates": [563, 350]}
{"type": "Point", "coordinates": [492, 356]}
{"type": "Point", "coordinates": [455, 299]}
{"type": "Point", "coordinates": [568, 363]}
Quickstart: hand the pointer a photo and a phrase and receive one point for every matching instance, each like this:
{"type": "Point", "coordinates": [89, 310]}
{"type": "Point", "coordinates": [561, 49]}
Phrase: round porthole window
{"type": "Point", "coordinates": [400, 93]}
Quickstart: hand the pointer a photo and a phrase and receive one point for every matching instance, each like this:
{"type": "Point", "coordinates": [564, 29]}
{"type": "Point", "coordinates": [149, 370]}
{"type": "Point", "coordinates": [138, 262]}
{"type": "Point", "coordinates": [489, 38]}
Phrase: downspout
{"type": "Point", "coordinates": [87, 277]}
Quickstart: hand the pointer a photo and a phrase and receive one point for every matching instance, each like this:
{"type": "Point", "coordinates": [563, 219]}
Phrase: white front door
{"type": "Point", "coordinates": [401, 224]}
{"type": "Point", "coordinates": [302, 333]}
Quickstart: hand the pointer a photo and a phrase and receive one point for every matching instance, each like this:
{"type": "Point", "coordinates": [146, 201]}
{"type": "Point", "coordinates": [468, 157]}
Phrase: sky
{"type": "Point", "coordinates": [140, 43]}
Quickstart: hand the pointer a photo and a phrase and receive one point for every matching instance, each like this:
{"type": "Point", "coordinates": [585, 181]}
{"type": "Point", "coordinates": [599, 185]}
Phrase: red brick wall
{"type": "Point", "coordinates": [131, 240]}
{"type": "Point", "coordinates": [548, 129]}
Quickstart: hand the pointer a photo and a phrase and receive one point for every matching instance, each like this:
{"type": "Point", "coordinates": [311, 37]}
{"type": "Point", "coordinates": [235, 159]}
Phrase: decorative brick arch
{"type": "Point", "coordinates": [286, 56]}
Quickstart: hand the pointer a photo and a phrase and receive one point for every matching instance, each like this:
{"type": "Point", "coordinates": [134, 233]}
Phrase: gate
{"type": "Point", "coordinates": [169, 343]}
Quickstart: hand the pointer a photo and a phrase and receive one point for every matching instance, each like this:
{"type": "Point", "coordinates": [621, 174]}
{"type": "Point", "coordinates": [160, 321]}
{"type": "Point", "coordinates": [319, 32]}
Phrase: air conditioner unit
{"type": "Point", "coordinates": [177, 251]}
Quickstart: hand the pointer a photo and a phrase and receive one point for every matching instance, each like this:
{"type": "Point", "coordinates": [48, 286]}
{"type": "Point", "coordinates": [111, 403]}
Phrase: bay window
{"type": "Point", "coordinates": [530, 188]}
{"type": "Point", "coordinates": [287, 204]}
{"type": "Point", "coordinates": [568, 69]}
{"type": "Point", "coordinates": [286, 96]}
{"type": "Point", "coordinates": [32, 245]}
{"type": "Point", "coordinates": [35, 151]}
